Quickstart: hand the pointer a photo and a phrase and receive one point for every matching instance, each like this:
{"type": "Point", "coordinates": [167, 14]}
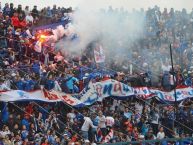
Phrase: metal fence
{"type": "Point", "coordinates": [172, 141]}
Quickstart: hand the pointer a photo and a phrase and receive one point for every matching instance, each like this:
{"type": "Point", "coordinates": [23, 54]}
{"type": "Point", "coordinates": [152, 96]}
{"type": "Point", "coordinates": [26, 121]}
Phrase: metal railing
{"type": "Point", "coordinates": [174, 141]}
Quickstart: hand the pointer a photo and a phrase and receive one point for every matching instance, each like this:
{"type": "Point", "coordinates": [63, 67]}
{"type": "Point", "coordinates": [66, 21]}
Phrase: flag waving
{"type": "Point", "coordinates": [99, 54]}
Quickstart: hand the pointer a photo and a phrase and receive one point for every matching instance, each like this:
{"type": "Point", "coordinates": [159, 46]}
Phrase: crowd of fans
{"type": "Point", "coordinates": [34, 17]}
{"type": "Point", "coordinates": [108, 122]}
{"type": "Point", "coordinates": [25, 68]}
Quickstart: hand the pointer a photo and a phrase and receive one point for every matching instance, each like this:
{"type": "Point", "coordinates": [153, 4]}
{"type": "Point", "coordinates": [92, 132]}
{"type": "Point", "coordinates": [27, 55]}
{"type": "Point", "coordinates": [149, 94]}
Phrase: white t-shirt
{"type": "Point", "coordinates": [139, 108]}
{"type": "Point", "coordinates": [4, 133]}
{"type": "Point", "coordinates": [155, 118]}
{"type": "Point", "coordinates": [102, 122]}
{"type": "Point", "coordinates": [29, 18]}
{"type": "Point", "coordinates": [87, 124]}
{"type": "Point", "coordinates": [110, 121]}
{"type": "Point", "coordinates": [160, 135]}
{"type": "Point", "coordinates": [115, 103]}
{"type": "Point", "coordinates": [166, 68]}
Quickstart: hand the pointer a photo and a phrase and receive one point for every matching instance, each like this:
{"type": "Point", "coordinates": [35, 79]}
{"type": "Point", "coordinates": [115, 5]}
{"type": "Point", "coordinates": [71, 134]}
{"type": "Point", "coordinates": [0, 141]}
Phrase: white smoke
{"type": "Point", "coordinates": [113, 28]}
{"type": "Point", "coordinates": [58, 33]}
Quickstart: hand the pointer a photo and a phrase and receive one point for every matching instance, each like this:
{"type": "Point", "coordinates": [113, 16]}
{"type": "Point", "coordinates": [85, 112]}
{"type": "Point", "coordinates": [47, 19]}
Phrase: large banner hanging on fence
{"type": "Point", "coordinates": [96, 92]}
{"type": "Point", "coordinates": [100, 90]}
{"type": "Point", "coordinates": [39, 95]}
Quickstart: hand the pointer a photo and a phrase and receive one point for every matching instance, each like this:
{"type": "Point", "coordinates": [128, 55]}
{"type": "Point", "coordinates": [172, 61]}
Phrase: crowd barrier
{"type": "Point", "coordinates": [173, 141]}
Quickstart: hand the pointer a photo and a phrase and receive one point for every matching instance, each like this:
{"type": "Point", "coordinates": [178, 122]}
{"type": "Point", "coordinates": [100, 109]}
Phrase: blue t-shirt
{"type": "Point", "coordinates": [26, 123]}
{"type": "Point", "coordinates": [49, 84]}
{"type": "Point", "coordinates": [144, 129]}
{"type": "Point", "coordinates": [96, 121]}
{"type": "Point", "coordinates": [51, 139]}
{"type": "Point", "coordinates": [36, 68]}
{"type": "Point", "coordinates": [29, 85]}
{"type": "Point", "coordinates": [128, 115]}
{"type": "Point", "coordinates": [191, 112]}
{"type": "Point", "coordinates": [70, 82]}
{"type": "Point", "coordinates": [20, 85]}
{"type": "Point", "coordinates": [24, 134]}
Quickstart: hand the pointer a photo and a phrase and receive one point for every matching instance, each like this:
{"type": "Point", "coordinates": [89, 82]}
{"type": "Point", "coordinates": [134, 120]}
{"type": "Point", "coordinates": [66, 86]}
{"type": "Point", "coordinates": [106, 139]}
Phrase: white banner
{"type": "Point", "coordinates": [39, 95]}
{"type": "Point", "coordinates": [99, 54]}
{"type": "Point", "coordinates": [96, 92]}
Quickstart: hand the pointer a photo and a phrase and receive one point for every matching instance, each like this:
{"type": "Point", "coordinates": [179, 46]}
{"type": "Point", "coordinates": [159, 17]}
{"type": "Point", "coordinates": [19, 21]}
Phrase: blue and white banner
{"type": "Point", "coordinates": [96, 91]}
{"type": "Point", "coordinates": [100, 90]}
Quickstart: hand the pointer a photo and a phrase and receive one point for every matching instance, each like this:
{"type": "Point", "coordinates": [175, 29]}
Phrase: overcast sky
{"type": "Point", "coordinates": [96, 4]}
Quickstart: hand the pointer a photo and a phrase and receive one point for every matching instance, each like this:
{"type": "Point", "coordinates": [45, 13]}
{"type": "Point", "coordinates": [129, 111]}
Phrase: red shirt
{"type": "Point", "coordinates": [29, 110]}
{"type": "Point", "coordinates": [15, 21]}
{"type": "Point", "coordinates": [81, 85]}
{"type": "Point", "coordinates": [23, 23]}
{"type": "Point", "coordinates": [44, 144]}
{"type": "Point", "coordinates": [74, 139]}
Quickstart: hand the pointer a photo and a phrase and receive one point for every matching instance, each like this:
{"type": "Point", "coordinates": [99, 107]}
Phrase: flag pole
{"type": "Point", "coordinates": [175, 94]}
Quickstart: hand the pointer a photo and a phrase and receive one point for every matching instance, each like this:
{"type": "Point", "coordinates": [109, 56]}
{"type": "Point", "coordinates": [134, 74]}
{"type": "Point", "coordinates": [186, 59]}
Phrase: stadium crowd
{"type": "Point", "coordinates": [23, 67]}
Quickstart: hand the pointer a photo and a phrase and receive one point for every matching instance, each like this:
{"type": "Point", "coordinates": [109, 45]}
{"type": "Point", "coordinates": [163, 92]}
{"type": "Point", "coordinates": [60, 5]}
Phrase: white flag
{"type": "Point", "coordinates": [99, 54]}
{"type": "Point", "coordinates": [38, 47]}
